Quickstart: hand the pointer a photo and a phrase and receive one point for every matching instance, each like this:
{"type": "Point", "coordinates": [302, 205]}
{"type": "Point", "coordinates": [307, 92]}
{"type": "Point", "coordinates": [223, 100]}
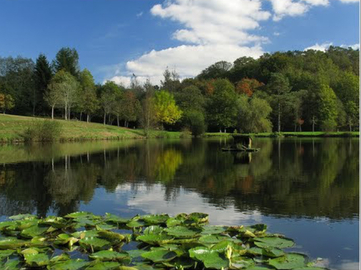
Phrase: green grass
{"type": "Point", "coordinates": [289, 134]}
{"type": "Point", "coordinates": [12, 126]}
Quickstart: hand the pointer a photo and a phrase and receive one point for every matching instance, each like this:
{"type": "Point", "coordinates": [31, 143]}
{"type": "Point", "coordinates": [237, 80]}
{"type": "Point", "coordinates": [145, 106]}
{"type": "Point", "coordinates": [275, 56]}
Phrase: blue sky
{"type": "Point", "coordinates": [117, 38]}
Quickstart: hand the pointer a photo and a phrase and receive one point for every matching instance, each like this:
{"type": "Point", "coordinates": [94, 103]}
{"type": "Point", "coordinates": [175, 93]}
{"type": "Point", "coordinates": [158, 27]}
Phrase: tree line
{"type": "Point", "coordinates": [284, 91]}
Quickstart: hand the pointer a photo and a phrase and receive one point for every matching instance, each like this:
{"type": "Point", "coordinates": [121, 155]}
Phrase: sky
{"type": "Point", "coordinates": [118, 38]}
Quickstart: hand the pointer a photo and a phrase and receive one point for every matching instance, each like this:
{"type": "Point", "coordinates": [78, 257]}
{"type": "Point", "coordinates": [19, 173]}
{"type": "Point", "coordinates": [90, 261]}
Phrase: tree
{"type": "Point", "coordinates": [194, 120]}
{"type": "Point", "coordinates": [130, 107]}
{"type": "Point", "coordinates": [147, 117]}
{"type": "Point", "coordinates": [222, 105]}
{"type": "Point", "coordinates": [6, 102]}
{"type": "Point", "coordinates": [328, 107]}
{"type": "Point", "coordinates": [87, 98]}
{"type": "Point", "coordinates": [247, 86]}
{"type": "Point", "coordinates": [166, 110]}
{"type": "Point", "coordinates": [110, 92]}
{"type": "Point", "coordinates": [42, 77]}
{"type": "Point", "coordinates": [62, 92]}
{"type": "Point", "coordinates": [253, 115]}
{"type": "Point", "coordinates": [171, 81]}
{"type": "Point", "coordinates": [216, 71]}
{"type": "Point", "coordinates": [279, 89]}
{"type": "Point", "coordinates": [68, 60]}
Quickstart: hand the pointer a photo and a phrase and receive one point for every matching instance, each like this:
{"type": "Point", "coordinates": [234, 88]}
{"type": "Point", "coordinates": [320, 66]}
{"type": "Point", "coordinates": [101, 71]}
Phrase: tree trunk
{"type": "Point", "coordinates": [65, 113]}
{"type": "Point", "coordinates": [87, 118]}
{"type": "Point", "coordinates": [69, 113]}
{"type": "Point", "coordinates": [279, 117]}
{"type": "Point", "coordinates": [52, 112]}
{"type": "Point", "coordinates": [118, 120]}
{"type": "Point", "coordinates": [313, 124]}
{"type": "Point", "coordinates": [80, 116]}
{"type": "Point", "coordinates": [105, 117]}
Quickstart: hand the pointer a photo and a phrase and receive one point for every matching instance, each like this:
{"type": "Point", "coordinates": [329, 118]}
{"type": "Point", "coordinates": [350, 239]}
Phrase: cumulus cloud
{"type": "Point", "coordinates": [211, 31]}
{"type": "Point", "coordinates": [319, 47]}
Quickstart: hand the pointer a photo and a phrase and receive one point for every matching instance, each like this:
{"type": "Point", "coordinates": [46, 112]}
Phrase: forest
{"type": "Point", "coordinates": [283, 91]}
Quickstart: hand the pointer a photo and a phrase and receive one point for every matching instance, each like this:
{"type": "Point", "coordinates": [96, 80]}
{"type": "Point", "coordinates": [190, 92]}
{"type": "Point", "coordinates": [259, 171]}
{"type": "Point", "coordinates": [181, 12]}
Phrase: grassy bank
{"type": "Point", "coordinates": [290, 134]}
{"type": "Point", "coordinates": [13, 127]}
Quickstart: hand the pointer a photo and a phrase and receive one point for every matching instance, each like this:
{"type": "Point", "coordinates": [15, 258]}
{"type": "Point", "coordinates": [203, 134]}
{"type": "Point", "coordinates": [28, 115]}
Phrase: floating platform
{"type": "Point", "coordinates": [232, 149]}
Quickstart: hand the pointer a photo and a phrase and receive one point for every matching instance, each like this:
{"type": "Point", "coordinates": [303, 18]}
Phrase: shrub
{"type": "Point", "coordinates": [194, 121]}
{"type": "Point", "coordinates": [42, 131]}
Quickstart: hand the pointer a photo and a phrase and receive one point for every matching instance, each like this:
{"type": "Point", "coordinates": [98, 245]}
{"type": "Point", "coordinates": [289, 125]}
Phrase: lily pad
{"type": "Point", "coordinates": [159, 255]}
{"type": "Point", "coordinates": [93, 242]}
{"type": "Point", "coordinates": [69, 265]}
{"type": "Point", "coordinates": [209, 229]}
{"type": "Point", "coordinates": [279, 242]}
{"type": "Point", "coordinates": [182, 232]}
{"type": "Point", "coordinates": [6, 253]}
{"type": "Point", "coordinates": [33, 231]}
{"type": "Point", "coordinates": [103, 266]}
{"type": "Point", "coordinates": [210, 258]}
{"type": "Point", "coordinates": [11, 243]}
{"type": "Point", "coordinates": [289, 261]}
{"type": "Point", "coordinates": [22, 217]}
{"type": "Point", "coordinates": [154, 239]}
{"type": "Point", "coordinates": [115, 219]}
{"type": "Point", "coordinates": [36, 260]}
{"type": "Point", "coordinates": [108, 255]}
{"type": "Point", "coordinates": [155, 219]}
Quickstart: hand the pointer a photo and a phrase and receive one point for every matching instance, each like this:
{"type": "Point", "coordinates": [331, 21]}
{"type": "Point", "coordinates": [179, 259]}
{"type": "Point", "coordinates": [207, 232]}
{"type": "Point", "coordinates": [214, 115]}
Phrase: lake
{"type": "Point", "coordinates": [306, 189]}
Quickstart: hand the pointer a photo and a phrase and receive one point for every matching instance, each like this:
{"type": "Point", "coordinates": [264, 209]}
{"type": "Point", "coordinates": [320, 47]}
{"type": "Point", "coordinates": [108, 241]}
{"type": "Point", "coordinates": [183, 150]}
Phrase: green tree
{"type": "Point", "coordinates": [147, 117]}
{"type": "Point", "coordinates": [130, 107]}
{"type": "Point", "coordinates": [87, 98]}
{"type": "Point", "coordinates": [6, 102]}
{"type": "Point", "coordinates": [222, 107]}
{"type": "Point", "coordinates": [194, 120]}
{"type": "Point", "coordinates": [63, 92]}
{"type": "Point", "coordinates": [216, 71]}
{"type": "Point", "coordinates": [166, 110]}
{"type": "Point", "coordinates": [109, 94]}
{"type": "Point", "coordinates": [171, 81]}
{"type": "Point", "coordinates": [67, 59]}
{"type": "Point", "coordinates": [328, 108]}
{"type": "Point", "coordinates": [279, 88]}
{"type": "Point", "coordinates": [42, 77]}
{"type": "Point", "coordinates": [253, 115]}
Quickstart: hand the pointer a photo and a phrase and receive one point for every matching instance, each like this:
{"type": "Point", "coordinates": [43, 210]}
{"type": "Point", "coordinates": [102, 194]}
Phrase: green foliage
{"type": "Point", "coordinates": [166, 110]}
{"type": "Point", "coordinates": [6, 102]}
{"type": "Point", "coordinates": [253, 115]}
{"type": "Point", "coordinates": [194, 120]}
{"type": "Point", "coordinates": [183, 241]}
{"type": "Point", "coordinates": [86, 96]}
{"type": "Point", "coordinates": [328, 108]}
{"type": "Point", "coordinates": [68, 60]}
{"type": "Point", "coordinates": [222, 105]}
{"type": "Point", "coordinates": [42, 130]}
{"type": "Point", "coordinates": [42, 77]}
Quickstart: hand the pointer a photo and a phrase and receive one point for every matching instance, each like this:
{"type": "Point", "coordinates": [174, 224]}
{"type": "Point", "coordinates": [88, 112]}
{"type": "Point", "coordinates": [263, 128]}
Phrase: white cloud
{"type": "Point", "coordinates": [319, 47]}
{"type": "Point", "coordinates": [284, 8]}
{"type": "Point", "coordinates": [350, 1]}
{"type": "Point", "coordinates": [211, 31]}
{"type": "Point", "coordinates": [140, 14]}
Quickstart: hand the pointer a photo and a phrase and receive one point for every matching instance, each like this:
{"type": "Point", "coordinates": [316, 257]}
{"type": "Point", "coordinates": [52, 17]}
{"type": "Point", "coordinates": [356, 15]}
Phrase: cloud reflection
{"type": "Point", "coordinates": [152, 200]}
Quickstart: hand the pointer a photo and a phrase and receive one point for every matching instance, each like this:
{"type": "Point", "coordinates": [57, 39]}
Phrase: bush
{"type": "Point", "coordinates": [185, 133]}
{"type": "Point", "coordinates": [42, 131]}
{"type": "Point", "coordinates": [194, 121]}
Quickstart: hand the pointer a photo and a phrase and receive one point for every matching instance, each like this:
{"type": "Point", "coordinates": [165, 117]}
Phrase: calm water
{"type": "Point", "coordinates": [307, 189]}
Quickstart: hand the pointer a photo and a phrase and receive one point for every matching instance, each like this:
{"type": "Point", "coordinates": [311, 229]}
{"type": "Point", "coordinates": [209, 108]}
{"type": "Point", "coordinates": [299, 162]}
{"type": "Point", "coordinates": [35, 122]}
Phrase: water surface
{"type": "Point", "coordinates": [307, 189]}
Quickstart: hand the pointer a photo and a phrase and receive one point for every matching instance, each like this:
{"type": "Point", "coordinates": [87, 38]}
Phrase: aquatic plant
{"type": "Point", "coordinates": [82, 240]}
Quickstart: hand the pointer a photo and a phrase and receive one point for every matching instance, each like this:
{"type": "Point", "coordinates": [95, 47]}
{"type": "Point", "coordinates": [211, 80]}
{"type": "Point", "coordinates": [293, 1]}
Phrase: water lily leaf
{"type": "Point", "coordinates": [59, 258]}
{"type": "Point", "coordinates": [212, 239]}
{"type": "Point", "coordinates": [198, 217]}
{"type": "Point", "coordinates": [36, 260]}
{"type": "Point", "coordinates": [103, 266]}
{"type": "Point", "coordinates": [116, 219]}
{"type": "Point", "coordinates": [135, 253]}
{"type": "Point", "coordinates": [63, 239]}
{"type": "Point", "coordinates": [224, 245]}
{"type": "Point", "coordinates": [108, 255]}
{"type": "Point", "coordinates": [11, 243]}
{"type": "Point", "coordinates": [155, 219]}
{"type": "Point", "coordinates": [22, 217]}
{"type": "Point", "coordinates": [83, 234]}
{"type": "Point", "coordinates": [259, 229]}
{"type": "Point", "coordinates": [179, 262]}
{"type": "Point", "coordinates": [29, 251]}
{"type": "Point", "coordinates": [105, 227]}
{"type": "Point", "coordinates": [289, 261]}
{"type": "Point", "coordinates": [182, 232]}
{"type": "Point", "coordinates": [210, 258]}
{"type": "Point", "coordinates": [171, 222]}
{"type": "Point", "coordinates": [6, 224]}
{"type": "Point", "coordinates": [159, 255]}
{"type": "Point", "coordinates": [33, 231]}
{"type": "Point", "coordinates": [135, 224]}
{"type": "Point", "coordinates": [211, 229]}
{"type": "Point", "coordinates": [12, 264]}
{"type": "Point", "coordinates": [81, 214]}
{"type": "Point", "coordinates": [153, 230]}
{"type": "Point", "coordinates": [242, 262]}
{"type": "Point", "coordinates": [93, 242]}
{"type": "Point", "coordinates": [269, 252]}
{"type": "Point", "coordinates": [24, 224]}
{"type": "Point", "coordinates": [154, 239]}
{"type": "Point", "coordinates": [114, 238]}
{"type": "Point", "coordinates": [56, 222]}
{"type": "Point", "coordinates": [5, 253]}
{"type": "Point", "coordinates": [257, 267]}
{"type": "Point", "coordinates": [69, 265]}
{"type": "Point", "coordinates": [273, 241]}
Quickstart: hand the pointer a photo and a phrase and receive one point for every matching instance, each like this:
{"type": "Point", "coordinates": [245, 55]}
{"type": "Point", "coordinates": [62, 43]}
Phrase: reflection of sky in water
{"type": "Point", "coordinates": [335, 242]}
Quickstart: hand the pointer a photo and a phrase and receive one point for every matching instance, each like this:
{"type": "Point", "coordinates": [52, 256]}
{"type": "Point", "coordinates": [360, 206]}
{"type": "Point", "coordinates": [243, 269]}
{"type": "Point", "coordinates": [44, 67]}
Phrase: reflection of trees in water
{"type": "Point", "coordinates": [316, 177]}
